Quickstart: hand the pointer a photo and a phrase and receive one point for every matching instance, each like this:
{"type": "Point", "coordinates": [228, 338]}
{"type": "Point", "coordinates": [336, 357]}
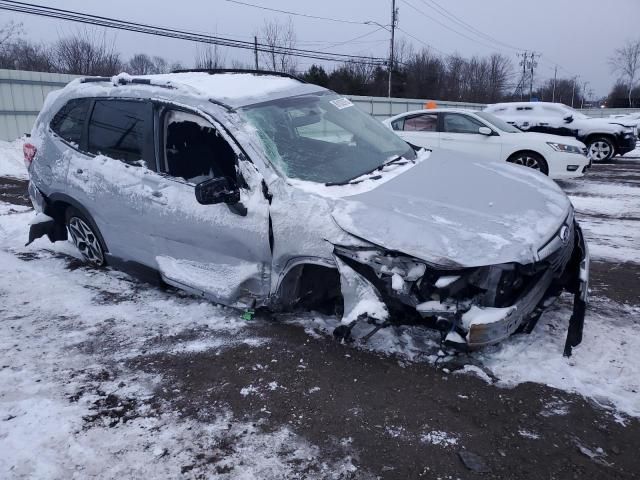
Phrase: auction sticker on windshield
{"type": "Point", "coordinates": [341, 103]}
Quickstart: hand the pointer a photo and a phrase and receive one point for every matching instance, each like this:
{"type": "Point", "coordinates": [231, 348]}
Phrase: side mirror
{"type": "Point", "coordinates": [217, 190]}
{"type": "Point", "coordinates": [568, 119]}
{"type": "Point", "coordinates": [485, 131]}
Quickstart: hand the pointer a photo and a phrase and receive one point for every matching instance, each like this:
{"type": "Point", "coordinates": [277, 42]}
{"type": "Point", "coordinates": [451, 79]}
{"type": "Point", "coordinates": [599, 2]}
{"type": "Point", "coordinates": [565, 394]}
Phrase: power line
{"type": "Point", "coordinates": [451, 16]}
{"type": "Point", "coordinates": [353, 40]}
{"type": "Point", "coordinates": [421, 41]}
{"type": "Point", "coordinates": [51, 12]}
{"type": "Point", "coordinates": [447, 26]}
{"type": "Point", "coordinates": [297, 14]}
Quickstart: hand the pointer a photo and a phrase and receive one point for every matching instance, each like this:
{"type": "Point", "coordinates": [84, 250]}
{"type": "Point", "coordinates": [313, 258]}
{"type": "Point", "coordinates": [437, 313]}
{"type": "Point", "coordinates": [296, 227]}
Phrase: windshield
{"type": "Point", "coordinates": [572, 111]}
{"type": "Point", "coordinates": [323, 137]}
{"type": "Point", "coordinates": [497, 122]}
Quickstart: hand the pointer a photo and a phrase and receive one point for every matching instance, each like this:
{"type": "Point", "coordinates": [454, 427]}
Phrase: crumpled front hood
{"type": "Point", "coordinates": [453, 211]}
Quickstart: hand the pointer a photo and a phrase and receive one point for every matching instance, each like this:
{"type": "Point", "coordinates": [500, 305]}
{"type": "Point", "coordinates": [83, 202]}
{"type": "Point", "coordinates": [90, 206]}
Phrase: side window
{"type": "Point", "coordinates": [524, 110]}
{"type": "Point", "coordinates": [459, 123]}
{"type": "Point", "coordinates": [422, 123]}
{"type": "Point", "coordinates": [193, 149]}
{"type": "Point", "coordinates": [551, 109]}
{"type": "Point", "coordinates": [121, 129]}
{"type": "Point", "coordinates": [68, 123]}
{"type": "Point", "coordinates": [398, 124]}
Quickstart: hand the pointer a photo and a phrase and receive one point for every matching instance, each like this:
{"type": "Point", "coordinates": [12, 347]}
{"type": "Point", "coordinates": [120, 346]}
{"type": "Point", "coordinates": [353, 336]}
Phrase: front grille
{"type": "Point", "coordinates": [558, 252]}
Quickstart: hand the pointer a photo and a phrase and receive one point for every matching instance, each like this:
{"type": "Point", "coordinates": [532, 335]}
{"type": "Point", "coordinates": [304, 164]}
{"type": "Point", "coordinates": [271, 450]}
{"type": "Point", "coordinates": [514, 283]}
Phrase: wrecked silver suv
{"type": "Point", "coordinates": [258, 190]}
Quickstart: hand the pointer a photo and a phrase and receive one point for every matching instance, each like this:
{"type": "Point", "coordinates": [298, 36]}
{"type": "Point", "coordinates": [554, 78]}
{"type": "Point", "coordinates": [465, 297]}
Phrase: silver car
{"type": "Point", "coordinates": [255, 189]}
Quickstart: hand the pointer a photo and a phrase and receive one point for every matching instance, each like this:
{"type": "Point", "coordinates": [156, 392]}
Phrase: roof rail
{"type": "Point", "coordinates": [122, 81]}
{"type": "Point", "coordinates": [95, 79]}
{"type": "Point", "coordinates": [213, 71]}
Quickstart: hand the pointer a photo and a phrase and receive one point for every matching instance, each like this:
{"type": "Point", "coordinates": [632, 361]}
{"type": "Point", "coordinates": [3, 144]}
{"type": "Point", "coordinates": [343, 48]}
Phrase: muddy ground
{"type": "Point", "coordinates": [378, 408]}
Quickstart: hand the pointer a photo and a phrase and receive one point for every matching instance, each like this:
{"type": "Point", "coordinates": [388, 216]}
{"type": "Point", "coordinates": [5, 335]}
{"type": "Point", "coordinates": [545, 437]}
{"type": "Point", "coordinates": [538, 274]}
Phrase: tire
{"type": "Point", "coordinates": [600, 149]}
{"type": "Point", "coordinates": [530, 159]}
{"type": "Point", "coordinates": [85, 237]}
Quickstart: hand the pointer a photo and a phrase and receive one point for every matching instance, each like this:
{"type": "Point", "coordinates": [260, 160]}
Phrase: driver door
{"type": "Point", "coordinates": [460, 133]}
{"type": "Point", "coordinates": [219, 251]}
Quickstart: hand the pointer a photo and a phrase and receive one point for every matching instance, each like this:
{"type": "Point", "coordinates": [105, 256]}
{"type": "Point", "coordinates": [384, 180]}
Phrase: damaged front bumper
{"type": "Point", "coordinates": [469, 317]}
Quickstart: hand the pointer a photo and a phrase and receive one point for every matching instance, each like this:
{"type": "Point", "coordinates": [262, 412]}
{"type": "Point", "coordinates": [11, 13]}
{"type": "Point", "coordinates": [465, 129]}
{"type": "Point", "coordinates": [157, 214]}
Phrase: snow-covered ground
{"type": "Point", "coordinates": [12, 159]}
{"type": "Point", "coordinates": [72, 407]}
{"type": "Point", "coordinates": [65, 336]}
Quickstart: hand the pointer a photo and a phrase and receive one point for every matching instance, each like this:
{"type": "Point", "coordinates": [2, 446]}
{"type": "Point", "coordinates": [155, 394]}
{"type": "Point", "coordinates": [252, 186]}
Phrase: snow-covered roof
{"type": "Point", "coordinates": [524, 104]}
{"type": "Point", "coordinates": [233, 89]}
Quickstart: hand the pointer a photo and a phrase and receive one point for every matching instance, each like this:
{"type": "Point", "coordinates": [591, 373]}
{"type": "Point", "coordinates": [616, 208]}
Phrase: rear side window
{"type": "Point", "coordinates": [68, 123]}
{"type": "Point", "coordinates": [422, 123]}
{"type": "Point", "coordinates": [120, 129]}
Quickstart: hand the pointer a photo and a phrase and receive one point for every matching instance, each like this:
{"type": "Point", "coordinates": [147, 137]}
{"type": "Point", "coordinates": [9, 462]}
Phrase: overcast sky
{"type": "Point", "coordinates": [577, 35]}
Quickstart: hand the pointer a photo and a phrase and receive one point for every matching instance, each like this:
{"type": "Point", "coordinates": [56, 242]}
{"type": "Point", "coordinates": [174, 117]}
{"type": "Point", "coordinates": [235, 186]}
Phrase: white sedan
{"type": "Point", "coordinates": [486, 136]}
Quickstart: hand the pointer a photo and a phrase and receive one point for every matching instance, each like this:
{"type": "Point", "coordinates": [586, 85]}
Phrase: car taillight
{"type": "Point", "coordinates": [29, 150]}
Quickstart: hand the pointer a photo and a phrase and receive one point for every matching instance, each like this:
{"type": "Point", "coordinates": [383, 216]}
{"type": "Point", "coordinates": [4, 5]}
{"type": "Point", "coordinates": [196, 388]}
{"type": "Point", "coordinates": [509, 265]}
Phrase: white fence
{"type": "Point", "coordinates": [22, 95]}
{"type": "Point", "coordinates": [382, 107]}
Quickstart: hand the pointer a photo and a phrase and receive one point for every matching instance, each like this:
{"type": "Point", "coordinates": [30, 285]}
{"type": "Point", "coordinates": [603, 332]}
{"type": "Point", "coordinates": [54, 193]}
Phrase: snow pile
{"type": "Point", "coordinates": [604, 367]}
{"type": "Point", "coordinates": [68, 393]}
{"type": "Point", "coordinates": [12, 159]}
{"type": "Point", "coordinates": [440, 438]}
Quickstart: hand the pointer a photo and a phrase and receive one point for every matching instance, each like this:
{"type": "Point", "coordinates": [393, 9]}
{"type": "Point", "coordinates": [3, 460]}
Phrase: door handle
{"type": "Point", "coordinates": [79, 171]}
{"type": "Point", "coordinates": [446, 138]}
{"type": "Point", "coordinates": [156, 193]}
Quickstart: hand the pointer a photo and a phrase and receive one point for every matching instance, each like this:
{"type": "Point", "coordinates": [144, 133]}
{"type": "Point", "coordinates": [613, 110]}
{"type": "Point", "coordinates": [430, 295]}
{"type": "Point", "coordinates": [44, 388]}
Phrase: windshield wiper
{"type": "Point", "coordinates": [398, 160]}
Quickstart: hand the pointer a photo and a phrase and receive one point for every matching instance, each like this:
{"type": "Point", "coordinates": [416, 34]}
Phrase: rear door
{"type": "Point", "coordinates": [460, 133]}
{"type": "Point", "coordinates": [220, 251]}
{"type": "Point", "coordinates": [109, 180]}
{"type": "Point", "coordinates": [420, 130]}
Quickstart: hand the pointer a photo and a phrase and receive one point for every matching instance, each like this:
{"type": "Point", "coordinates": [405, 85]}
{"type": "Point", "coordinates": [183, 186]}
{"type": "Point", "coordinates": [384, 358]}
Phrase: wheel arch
{"type": "Point", "coordinates": [301, 271]}
{"type": "Point", "coordinates": [530, 151]}
{"type": "Point", "coordinates": [57, 208]}
{"type": "Point", "coordinates": [593, 135]}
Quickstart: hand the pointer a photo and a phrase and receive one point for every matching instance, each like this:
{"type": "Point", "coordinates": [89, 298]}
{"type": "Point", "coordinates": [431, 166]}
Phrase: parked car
{"type": "Point", "coordinates": [486, 136]}
{"type": "Point", "coordinates": [604, 137]}
{"type": "Point", "coordinates": [258, 190]}
{"type": "Point", "coordinates": [630, 119]}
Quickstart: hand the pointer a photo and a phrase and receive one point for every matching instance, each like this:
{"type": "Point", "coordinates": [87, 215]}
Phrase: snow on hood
{"type": "Point", "coordinates": [453, 211]}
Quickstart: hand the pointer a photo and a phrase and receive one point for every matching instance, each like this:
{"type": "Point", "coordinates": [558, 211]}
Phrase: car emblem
{"type": "Point", "coordinates": [564, 234]}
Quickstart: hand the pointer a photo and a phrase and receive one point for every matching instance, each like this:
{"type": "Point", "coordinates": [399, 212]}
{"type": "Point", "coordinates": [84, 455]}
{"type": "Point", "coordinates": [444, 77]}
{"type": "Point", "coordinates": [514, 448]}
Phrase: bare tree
{"type": "Point", "coordinates": [175, 66]}
{"type": "Point", "coordinates": [9, 32]}
{"type": "Point", "coordinates": [23, 55]}
{"type": "Point", "coordinates": [278, 38]}
{"type": "Point", "coordinates": [160, 65]}
{"type": "Point", "coordinates": [87, 53]}
{"type": "Point", "coordinates": [209, 56]}
{"type": "Point", "coordinates": [626, 62]}
{"type": "Point", "coordinates": [500, 72]}
{"type": "Point", "coordinates": [141, 64]}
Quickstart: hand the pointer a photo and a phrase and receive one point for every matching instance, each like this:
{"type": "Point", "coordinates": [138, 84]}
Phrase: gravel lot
{"type": "Point", "coordinates": [105, 376]}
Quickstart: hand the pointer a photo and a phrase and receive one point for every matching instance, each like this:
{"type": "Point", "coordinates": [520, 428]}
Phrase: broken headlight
{"type": "Point", "coordinates": [383, 263]}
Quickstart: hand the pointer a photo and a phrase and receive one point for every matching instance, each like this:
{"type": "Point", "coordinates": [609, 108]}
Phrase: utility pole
{"type": "Point", "coordinates": [573, 89]}
{"type": "Point", "coordinates": [255, 50]}
{"type": "Point", "coordinates": [555, 80]}
{"type": "Point", "coordinates": [532, 65]}
{"type": "Point", "coordinates": [584, 90]}
{"type": "Point", "coordinates": [394, 18]}
{"type": "Point", "coordinates": [523, 63]}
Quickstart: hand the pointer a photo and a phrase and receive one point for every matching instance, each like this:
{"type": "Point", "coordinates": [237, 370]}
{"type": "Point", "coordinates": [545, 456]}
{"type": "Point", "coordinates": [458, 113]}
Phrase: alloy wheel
{"type": "Point", "coordinates": [86, 241]}
{"type": "Point", "coordinates": [527, 161]}
{"type": "Point", "coordinates": [599, 151]}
